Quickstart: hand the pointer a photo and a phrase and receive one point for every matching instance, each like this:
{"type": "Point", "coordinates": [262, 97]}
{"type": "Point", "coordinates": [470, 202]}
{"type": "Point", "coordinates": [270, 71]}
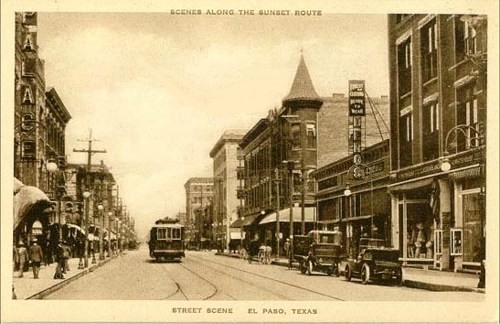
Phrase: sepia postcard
{"type": "Point", "coordinates": [249, 161]}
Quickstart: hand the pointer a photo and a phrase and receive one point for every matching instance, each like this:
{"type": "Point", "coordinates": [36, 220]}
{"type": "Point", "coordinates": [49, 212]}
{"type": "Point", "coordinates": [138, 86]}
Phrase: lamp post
{"type": "Point", "coordinates": [110, 221]}
{"type": "Point", "coordinates": [100, 207]}
{"type": "Point", "coordinates": [86, 196]}
{"type": "Point", "coordinates": [60, 189]}
{"type": "Point", "coordinates": [277, 179]}
{"type": "Point", "coordinates": [474, 138]}
{"type": "Point", "coordinates": [291, 166]}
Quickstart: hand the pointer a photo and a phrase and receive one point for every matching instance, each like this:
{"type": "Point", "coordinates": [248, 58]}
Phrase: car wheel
{"type": "Point", "coordinates": [348, 273]}
{"type": "Point", "coordinates": [309, 268]}
{"type": "Point", "coordinates": [303, 267]}
{"type": "Point", "coordinates": [365, 273]}
{"type": "Point", "coordinates": [399, 278]}
{"type": "Point", "coordinates": [335, 268]}
{"type": "Point", "coordinates": [329, 271]}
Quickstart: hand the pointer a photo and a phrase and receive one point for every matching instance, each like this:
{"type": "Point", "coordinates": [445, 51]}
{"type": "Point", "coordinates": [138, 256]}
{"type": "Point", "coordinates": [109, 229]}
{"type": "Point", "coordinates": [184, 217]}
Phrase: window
{"type": "Point", "coordinates": [470, 39]}
{"type": "Point", "coordinates": [311, 135]}
{"type": "Point", "coordinates": [176, 233]}
{"type": "Point", "coordinates": [472, 226]}
{"type": "Point", "coordinates": [438, 242]}
{"type": "Point", "coordinates": [429, 51]}
{"type": "Point", "coordinates": [468, 114]}
{"type": "Point", "coordinates": [430, 127]}
{"type": "Point", "coordinates": [456, 241]}
{"type": "Point", "coordinates": [296, 136]}
{"type": "Point", "coordinates": [162, 234]}
{"type": "Point", "coordinates": [405, 57]}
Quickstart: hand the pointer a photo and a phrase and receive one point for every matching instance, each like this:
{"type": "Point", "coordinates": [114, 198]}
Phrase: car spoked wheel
{"type": "Point", "coordinates": [399, 278]}
{"type": "Point", "coordinates": [309, 268]}
{"type": "Point", "coordinates": [348, 273]}
{"type": "Point", "coordinates": [365, 274]}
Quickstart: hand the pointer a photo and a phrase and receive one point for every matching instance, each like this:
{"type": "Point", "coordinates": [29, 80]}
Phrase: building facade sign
{"type": "Point", "coordinates": [357, 98]}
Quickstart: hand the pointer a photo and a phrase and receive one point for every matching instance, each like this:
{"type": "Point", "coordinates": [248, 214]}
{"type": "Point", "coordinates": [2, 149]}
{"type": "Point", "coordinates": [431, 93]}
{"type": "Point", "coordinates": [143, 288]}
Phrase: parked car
{"type": "Point", "coordinates": [318, 251]}
{"type": "Point", "coordinates": [374, 262]}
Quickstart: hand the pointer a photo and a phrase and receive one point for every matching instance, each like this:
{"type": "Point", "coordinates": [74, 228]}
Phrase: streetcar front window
{"type": "Point", "coordinates": [162, 233]}
{"type": "Point", "coordinates": [176, 233]}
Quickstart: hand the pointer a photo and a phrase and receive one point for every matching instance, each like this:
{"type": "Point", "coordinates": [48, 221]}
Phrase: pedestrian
{"type": "Point", "coordinates": [22, 257]}
{"type": "Point", "coordinates": [286, 247]}
{"type": "Point", "coordinates": [15, 257]}
{"type": "Point", "coordinates": [60, 260]}
{"type": "Point", "coordinates": [66, 255]}
{"type": "Point", "coordinates": [36, 257]}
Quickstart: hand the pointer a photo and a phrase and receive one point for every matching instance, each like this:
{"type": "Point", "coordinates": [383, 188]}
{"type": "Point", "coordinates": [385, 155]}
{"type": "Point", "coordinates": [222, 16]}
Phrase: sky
{"type": "Point", "coordinates": [158, 90]}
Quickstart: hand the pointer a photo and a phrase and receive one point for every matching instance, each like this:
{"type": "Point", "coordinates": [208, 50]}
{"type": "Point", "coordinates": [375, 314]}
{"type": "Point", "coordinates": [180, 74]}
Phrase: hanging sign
{"type": "Point", "coordinates": [357, 98]}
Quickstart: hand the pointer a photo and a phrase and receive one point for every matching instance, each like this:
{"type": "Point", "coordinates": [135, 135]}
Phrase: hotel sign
{"type": "Point", "coordinates": [357, 98]}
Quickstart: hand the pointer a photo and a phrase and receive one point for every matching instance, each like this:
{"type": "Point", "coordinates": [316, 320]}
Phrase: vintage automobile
{"type": "Point", "coordinates": [374, 262]}
{"type": "Point", "coordinates": [318, 251]}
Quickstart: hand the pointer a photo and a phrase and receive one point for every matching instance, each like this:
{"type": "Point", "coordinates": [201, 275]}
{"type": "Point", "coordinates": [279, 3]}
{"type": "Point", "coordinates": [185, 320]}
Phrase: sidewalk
{"type": "Point", "coordinates": [418, 278]}
{"type": "Point", "coordinates": [29, 288]}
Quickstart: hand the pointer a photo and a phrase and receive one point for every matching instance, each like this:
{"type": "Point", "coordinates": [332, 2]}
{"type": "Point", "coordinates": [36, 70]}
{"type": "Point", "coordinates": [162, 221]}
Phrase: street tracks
{"type": "Point", "coordinates": [205, 261]}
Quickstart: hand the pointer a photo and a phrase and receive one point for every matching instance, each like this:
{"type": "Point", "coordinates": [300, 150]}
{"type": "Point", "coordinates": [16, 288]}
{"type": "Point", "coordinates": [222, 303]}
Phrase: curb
{"type": "Point", "coordinates": [407, 283]}
{"type": "Point", "coordinates": [61, 284]}
{"type": "Point", "coordinates": [438, 287]}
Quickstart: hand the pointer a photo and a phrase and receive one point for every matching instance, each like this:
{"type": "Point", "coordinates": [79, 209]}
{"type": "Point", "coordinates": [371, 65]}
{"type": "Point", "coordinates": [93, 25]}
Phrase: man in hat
{"type": "Point", "coordinates": [286, 247]}
{"type": "Point", "coordinates": [36, 257]}
{"type": "Point", "coordinates": [60, 260]}
{"type": "Point", "coordinates": [22, 257]}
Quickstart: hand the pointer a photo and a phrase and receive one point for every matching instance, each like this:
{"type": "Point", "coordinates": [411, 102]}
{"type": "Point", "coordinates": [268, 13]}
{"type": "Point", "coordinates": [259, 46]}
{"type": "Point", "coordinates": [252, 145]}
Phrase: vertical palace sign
{"type": "Point", "coordinates": [357, 98]}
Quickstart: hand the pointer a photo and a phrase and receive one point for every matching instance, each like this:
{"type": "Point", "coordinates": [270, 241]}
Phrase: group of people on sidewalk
{"type": "Point", "coordinates": [24, 257]}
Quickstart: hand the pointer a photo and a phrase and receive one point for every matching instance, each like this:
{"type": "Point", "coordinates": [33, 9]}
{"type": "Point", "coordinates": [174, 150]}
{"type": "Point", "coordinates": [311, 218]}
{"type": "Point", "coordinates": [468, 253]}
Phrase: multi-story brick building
{"type": "Point", "coordinates": [287, 134]}
{"type": "Point", "coordinates": [225, 163]}
{"type": "Point", "coordinates": [199, 194]}
{"type": "Point", "coordinates": [438, 107]}
{"type": "Point", "coordinates": [40, 119]}
{"type": "Point", "coordinates": [333, 126]}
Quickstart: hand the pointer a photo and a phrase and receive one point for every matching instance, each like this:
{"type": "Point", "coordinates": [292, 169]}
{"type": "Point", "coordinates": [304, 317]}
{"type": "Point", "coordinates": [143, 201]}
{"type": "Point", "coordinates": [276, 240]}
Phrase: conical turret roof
{"type": "Point", "coordinates": [302, 87]}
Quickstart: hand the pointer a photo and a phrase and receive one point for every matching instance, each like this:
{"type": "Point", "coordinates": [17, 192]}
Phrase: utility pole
{"type": "Point", "coordinates": [277, 180]}
{"type": "Point", "coordinates": [89, 152]}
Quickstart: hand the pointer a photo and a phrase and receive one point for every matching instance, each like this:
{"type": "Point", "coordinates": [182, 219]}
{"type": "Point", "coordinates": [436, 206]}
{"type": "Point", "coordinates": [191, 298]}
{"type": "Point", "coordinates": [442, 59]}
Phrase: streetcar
{"type": "Point", "coordinates": [166, 240]}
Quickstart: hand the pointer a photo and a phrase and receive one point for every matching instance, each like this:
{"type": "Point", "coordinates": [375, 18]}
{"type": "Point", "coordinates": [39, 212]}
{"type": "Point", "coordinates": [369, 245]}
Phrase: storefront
{"type": "Point", "coordinates": [439, 219]}
{"type": "Point", "coordinates": [32, 208]}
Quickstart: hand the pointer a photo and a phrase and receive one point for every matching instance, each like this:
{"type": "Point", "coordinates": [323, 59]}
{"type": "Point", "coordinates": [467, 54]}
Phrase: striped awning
{"type": "Point", "coordinates": [26, 200]}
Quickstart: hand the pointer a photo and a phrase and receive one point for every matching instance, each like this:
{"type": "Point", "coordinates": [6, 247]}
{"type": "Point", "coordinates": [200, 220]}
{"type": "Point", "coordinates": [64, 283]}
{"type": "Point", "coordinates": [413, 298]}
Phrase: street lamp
{"type": "Point", "coordinates": [291, 166]}
{"type": "Point", "coordinates": [474, 138]}
{"type": "Point", "coordinates": [60, 189]}
{"type": "Point", "coordinates": [110, 221]}
{"type": "Point", "coordinates": [86, 196]}
{"type": "Point", "coordinates": [100, 207]}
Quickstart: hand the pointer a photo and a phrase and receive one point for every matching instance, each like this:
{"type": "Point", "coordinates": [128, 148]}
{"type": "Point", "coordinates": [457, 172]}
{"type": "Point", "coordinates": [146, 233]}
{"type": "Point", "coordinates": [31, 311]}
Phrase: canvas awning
{"type": "Point", "coordinates": [78, 228]}
{"type": "Point", "coordinates": [356, 218]}
{"type": "Point", "coordinates": [249, 220]}
{"type": "Point", "coordinates": [26, 200]}
{"type": "Point", "coordinates": [285, 215]}
{"type": "Point", "coordinates": [410, 185]}
{"type": "Point", "coordinates": [237, 223]}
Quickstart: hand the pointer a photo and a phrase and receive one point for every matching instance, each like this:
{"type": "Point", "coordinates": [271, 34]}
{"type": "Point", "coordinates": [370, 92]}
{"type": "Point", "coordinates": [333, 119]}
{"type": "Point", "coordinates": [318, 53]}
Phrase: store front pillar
{"type": "Point", "coordinates": [445, 200]}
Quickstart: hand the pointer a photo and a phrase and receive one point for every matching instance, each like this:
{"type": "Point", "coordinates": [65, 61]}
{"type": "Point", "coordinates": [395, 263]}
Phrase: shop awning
{"type": "Point", "coordinates": [329, 221]}
{"type": "Point", "coordinates": [285, 215]}
{"type": "Point", "coordinates": [410, 185]}
{"type": "Point", "coordinates": [468, 173]}
{"type": "Point", "coordinates": [26, 199]}
{"type": "Point", "coordinates": [76, 227]}
{"type": "Point", "coordinates": [237, 223]}
{"type": "Point", "coordinates": [249, 220]}
{"type": "Point", "coordinates": [352, 219]}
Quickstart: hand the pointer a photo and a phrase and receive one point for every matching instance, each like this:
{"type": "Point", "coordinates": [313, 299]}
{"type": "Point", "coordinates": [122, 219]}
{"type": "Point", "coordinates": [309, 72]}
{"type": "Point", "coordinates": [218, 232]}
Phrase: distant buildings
{"type": "Point", "coordinates": [199, 195]}
{"type": "Point", "coordinates": [225, 164]}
